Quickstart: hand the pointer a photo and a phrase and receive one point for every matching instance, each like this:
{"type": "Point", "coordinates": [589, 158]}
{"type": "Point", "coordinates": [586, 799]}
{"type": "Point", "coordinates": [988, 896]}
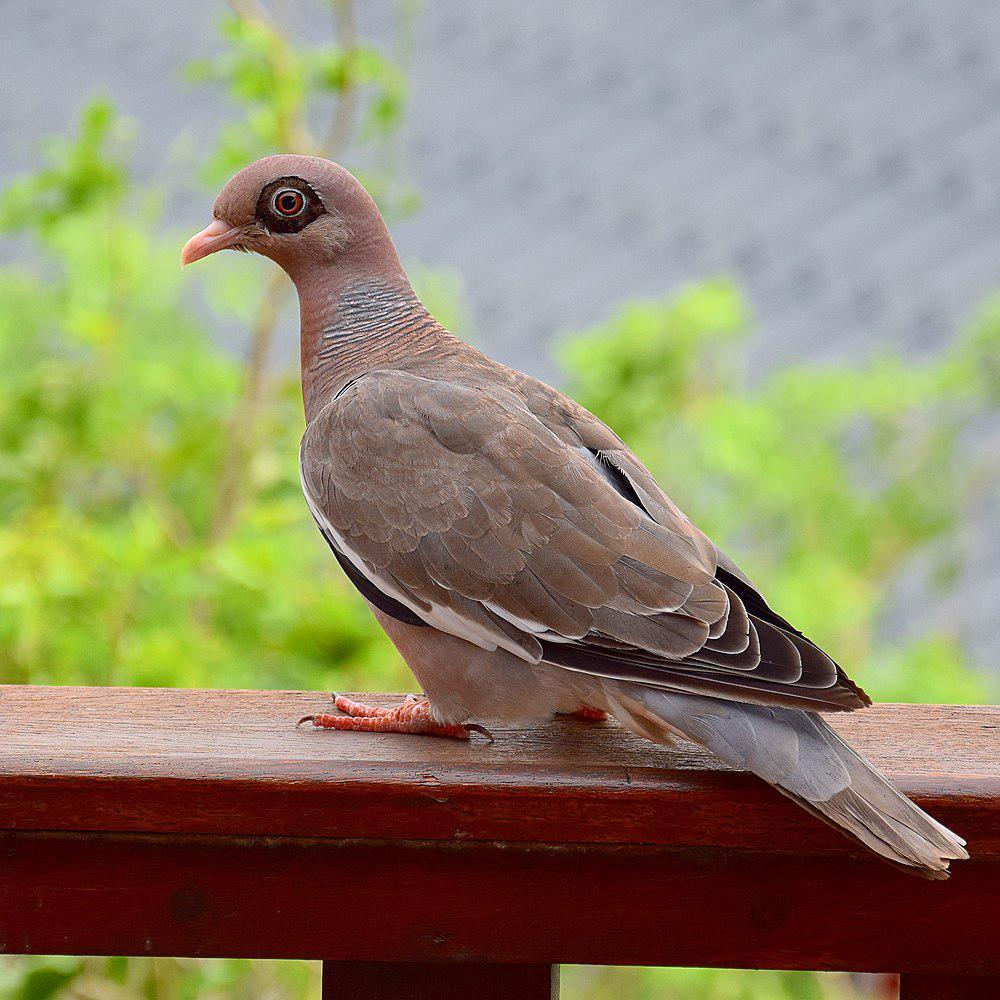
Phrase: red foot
{"type": "Point", "coordinates": [413, 716]}
{"type": "Point", "coordinates": [586, 712]}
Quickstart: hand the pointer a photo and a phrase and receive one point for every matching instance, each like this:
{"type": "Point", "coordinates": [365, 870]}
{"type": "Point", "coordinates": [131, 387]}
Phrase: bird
{"type": "Point", "coordinates": [521, 558]}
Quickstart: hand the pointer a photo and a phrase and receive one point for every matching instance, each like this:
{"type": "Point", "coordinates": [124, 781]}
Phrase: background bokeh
{"type": "Point", "coordinates": [758, 239]}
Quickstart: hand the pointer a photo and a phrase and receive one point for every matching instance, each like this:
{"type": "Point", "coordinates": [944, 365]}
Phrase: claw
{"type": "Point", "coordinates": [482, 730]}
{"type": "Point", "coordinates": [305, 718]}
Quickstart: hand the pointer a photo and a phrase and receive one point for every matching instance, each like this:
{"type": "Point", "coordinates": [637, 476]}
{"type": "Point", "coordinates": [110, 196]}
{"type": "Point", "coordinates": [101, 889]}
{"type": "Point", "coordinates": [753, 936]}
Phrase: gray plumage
{"type": "Point", "coordinates": [803, 757]}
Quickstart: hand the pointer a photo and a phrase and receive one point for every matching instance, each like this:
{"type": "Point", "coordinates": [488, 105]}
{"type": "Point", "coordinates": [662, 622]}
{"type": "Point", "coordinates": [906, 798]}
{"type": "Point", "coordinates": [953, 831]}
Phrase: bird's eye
{"type": "Point", "coordinates": [288, 202]}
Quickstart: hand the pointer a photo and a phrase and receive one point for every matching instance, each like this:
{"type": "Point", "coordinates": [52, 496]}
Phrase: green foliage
{"type": "Point", "coordinates": [133, 553]}
{"type": "Point", "coordinates": [113, 410]}
{"type": "Point", "coordinates": [153, 979]}
{"type": "Point", "coordinates": [44, 980]}
{"type": "Point", "coordinates": [279, 84]}
{"type": "Point", "coordinates": [79, 174]}
{"type": "Point", "coordinates": [586, 983]}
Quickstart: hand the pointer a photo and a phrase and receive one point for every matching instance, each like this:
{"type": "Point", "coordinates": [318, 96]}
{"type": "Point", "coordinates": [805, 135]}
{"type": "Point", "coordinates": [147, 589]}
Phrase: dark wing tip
{"type": "Point", "coordinates": [863, 698]}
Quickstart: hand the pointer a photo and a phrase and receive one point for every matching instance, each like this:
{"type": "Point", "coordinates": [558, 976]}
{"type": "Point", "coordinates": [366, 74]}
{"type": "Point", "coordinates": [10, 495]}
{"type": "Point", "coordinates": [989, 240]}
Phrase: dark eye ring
{"type": "Point", "coordinates": [288, 202]}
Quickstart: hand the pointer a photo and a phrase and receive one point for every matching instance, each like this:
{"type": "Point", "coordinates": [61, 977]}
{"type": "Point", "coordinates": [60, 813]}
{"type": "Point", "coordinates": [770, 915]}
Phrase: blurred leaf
{"type": "Point", "coordinates": [47, 981]}
{"type": "Point", "coordinates": [79, 174]}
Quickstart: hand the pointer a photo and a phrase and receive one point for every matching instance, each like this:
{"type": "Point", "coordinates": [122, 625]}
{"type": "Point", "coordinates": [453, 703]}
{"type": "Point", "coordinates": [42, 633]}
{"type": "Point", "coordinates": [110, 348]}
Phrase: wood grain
{"type": "Point", "coordinates": [232, 762]}
{"type": "Point", "coordinates": [202, 823]}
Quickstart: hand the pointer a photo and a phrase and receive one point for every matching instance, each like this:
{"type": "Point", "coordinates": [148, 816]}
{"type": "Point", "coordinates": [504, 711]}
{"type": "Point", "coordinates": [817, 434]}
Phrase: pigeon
{"type": "Point", "coordinates": [522, 560]}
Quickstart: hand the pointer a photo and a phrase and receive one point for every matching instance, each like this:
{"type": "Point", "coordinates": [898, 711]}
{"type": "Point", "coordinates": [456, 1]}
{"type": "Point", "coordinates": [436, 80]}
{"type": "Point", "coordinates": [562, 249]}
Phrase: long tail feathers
{"type": "Point", "coordinates": [798, 753]}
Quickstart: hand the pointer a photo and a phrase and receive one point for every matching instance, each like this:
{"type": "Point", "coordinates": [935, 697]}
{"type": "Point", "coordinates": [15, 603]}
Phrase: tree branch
{"type": "Point", "coordinates": [345, 25]}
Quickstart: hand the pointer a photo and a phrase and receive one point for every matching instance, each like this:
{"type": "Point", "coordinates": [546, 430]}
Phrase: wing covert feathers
{"type": "Point", "coordinates": [514, 519]}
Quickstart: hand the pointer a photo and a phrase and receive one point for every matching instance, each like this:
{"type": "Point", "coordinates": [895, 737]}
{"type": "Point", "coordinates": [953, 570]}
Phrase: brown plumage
{"type": "Point", "coordinates": [519, 555]}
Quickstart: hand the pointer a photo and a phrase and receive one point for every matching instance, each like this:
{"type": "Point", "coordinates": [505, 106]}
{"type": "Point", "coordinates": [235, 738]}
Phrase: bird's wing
{"type": "Point", "coordinates": [468, 511]}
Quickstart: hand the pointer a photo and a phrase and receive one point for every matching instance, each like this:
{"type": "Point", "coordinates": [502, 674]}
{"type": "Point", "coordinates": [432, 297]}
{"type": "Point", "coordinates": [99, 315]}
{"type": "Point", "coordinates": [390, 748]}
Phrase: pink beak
{"type": "Point", "coordinates": [216, 236]}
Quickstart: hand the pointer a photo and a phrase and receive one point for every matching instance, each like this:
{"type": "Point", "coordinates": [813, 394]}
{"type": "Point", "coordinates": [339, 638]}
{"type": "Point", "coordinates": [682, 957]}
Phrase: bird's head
{"type": "Point", "coordinates": [301, 211]}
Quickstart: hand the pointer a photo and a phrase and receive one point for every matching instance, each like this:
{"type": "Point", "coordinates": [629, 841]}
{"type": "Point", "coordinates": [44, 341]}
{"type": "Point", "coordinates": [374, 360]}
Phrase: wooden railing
{"type": "Point", "coordinates": [202, 823]}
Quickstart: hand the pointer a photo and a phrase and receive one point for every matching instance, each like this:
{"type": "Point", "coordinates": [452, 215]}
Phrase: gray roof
{"type": "Point", "coordinates": [839, 159]}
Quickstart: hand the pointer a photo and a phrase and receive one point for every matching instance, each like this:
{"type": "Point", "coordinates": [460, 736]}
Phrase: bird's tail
{"type": "Point", "coordinates": [798, 753]}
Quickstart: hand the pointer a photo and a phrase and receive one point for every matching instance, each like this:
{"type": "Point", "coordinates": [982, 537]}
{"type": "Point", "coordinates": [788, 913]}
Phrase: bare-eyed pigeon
{"type": "Point", "coordinates": [521, 558]}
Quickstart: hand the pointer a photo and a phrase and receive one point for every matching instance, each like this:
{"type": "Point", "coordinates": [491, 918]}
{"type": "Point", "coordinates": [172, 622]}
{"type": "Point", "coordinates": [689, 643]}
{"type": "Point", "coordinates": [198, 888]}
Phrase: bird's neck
{"type": "Point", "coordinates": [351, 324]}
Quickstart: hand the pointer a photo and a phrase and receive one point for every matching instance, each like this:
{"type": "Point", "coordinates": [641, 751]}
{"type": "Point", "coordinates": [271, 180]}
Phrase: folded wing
{"type": "Point", "coordinates": [484, 516]}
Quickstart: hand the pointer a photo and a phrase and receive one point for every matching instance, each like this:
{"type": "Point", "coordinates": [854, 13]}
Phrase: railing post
{"type": "Point", "coordinates": [439, 981]}
{"type": "Point", "coordinates": [913, 987]}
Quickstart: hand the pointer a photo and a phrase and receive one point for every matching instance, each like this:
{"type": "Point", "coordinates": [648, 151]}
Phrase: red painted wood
{"type": "Point", "coordinates": [428, 901]}
{"type": "Point", "coordinates": [915, 987]}
{"type": "Point", "coordinates": [203, 824]}
{"type": "Point", "coordinates": [231, 762]}
{"type": "Point", "coordinates": [438, 981]}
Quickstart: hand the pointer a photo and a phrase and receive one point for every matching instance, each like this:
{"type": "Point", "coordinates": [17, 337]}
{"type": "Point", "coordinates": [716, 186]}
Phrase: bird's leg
{"type": "Point", "coordinates": [359, 710]}
{"type": "Point", "coordinates": [586, 712]}
{"type": "Point", "coordinates": [413, 716]}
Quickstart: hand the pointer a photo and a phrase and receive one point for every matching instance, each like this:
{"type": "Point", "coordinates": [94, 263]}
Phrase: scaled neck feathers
{"type": "Point", "coordinates": [362, 326]}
